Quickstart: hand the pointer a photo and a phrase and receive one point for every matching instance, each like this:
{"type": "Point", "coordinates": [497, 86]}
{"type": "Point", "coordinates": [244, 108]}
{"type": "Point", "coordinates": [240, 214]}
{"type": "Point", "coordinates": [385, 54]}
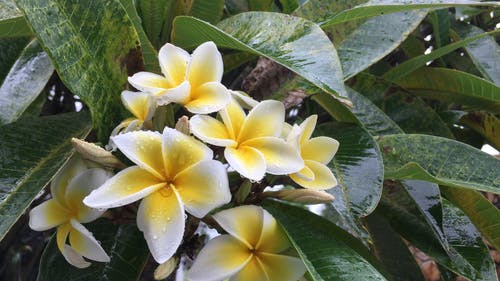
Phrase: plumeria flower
{"type": "Point", "coordinates": [174, 172]}
{"type": "Point", "coordinates": [252, 251]}
{"type": "Point", "coordinates": [190, 80]}
{"type": "Point", "coordinates": [316, 152]}
{"type": "Point", "coordinates": [67, 212]}
{"type": "Point", "coordinates": [252, 143]}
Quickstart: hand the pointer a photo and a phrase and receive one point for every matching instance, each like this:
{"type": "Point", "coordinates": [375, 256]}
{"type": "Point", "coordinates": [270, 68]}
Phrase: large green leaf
{"type": "Point", "coordinates": [328, 252]}
{"type": "Point", "coordinates": [290, 47]}
{"type": "Point", "coordinates": [93, 46]}
{"type": "Point", "coordinates": [124, 244]}
{"type": "Point", "coordinates": [25, 81]}
{"type": "Point", "coordinates": [12, 22]}
{"type": "Point", "coordinates": [380, 7]}
{"type": "Point", "coordinates": [439, 160]}
{"type": "Point", "coordinates": [484, 215]}
{"type": "Point", "coordinates": [157, 16]}
{"type": "Point", "coordinates": [375, 39]}
{"type": "Point", "coordinates": [453, 86]}
{"type": "Point", "coordinates": [31, 152]}
{"type": "Point", "coordinates": [484, 123]}
{"type": "Point", "coordinates": [485, 53]}
{"type": "Point", "coordinates": [11, 49]}
{"type": "Point", "coordinates": [210, 11]}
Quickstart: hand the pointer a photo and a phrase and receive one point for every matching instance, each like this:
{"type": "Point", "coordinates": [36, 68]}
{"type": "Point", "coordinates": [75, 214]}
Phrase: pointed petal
{"type": "Point", "coordinates": [180, 151]}
{"type": "Point", "coordinates": [282, 268]}
{"type": "Point", "coordinates": [144, 149]}
{"type": "Point", "coordinates": [173, 63]}
{"type": "Point", "coordinates": [127, 186]}
{"type": "Point", "coordinates": [84, 243]}
{"type": "Point", "coordinates": [323, 177]}
{"type": "Point", "coordinates": [203, 187]}
{"type": "Point", "coordinates": [264, 120]}
{"type": "Point", "coordinates": [213, 262]}
{"type": "Point", "coordinates": [161, 218]}
{"type": "Point", "coordinates": [180, 94]}
{"type": "Point", "coordinates": [81, 186]}
{"type": "Point", "coordinates": [206, 65]}
{"type": "Point", "coordinates": [247, 161]}
{"type": "Point", "coordinates": [61, 180]}
{"type": "Point", "coordinates": [243, 222]}
{"type": "Point", "coordinates": [253, 270]}
{"type": "Point", "coordinates": [272, 238]}
{"type": "Point", "coordinates": [243, 99]}
{"type": "Point", "coordinates": [307, 127]}
{"type": "Point", "coordinates": [73, 258]}
{"type": "Point", "coordinates": [305, 174]}
{"type": "Point", "coordinates": [210, 130]}
{"type": "Point", "coordinates": [47, 215]}
{"type": "Point", "coordinates": [207, 98]}
{"type": "Point", "coordinates": [149, 82]}
{"type": "Point", "coordinates": [233, 117]}
{"type": "Point", "coordinates": [140, 104]}
{"type": "Point", "coordinates": [61, 235]}
{"type": "Point", "coordinates": [320, 149]}
{"type": "Point", "coordinates": [281, 157]}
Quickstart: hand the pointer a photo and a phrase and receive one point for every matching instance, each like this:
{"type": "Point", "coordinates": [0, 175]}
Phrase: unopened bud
{"type": "Point", "coordinates": [97, 154]}
{"type": "Point", "coordinates": [165, 269]}
{"type": "Point", "coordinates": [243, 191]}
{"type": "Point", "coordinates": [182, 125]}
{"type": "Point", "coordinates": [304, 196]}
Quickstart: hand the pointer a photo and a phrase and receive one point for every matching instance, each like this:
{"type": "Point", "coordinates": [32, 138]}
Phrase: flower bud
{"type": "Point", "coordinates": [304, 196]}
{"type": "Point", "coordinates": [165, 269]}
{"type": "Point", "coordinates": [97, 154]}
{"type": "Point", "coordinates": [182, 125]}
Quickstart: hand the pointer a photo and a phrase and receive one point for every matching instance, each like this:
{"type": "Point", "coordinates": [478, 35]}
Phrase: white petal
{"type": "Point", "coordinates": [272, 237]}
{"type": "Point", "coordinates": [73, 258]}
{"type": "Point", "coordinates": [47, 215]}
{"type": "Point", "coordinates": [264, 120]}
{"type": "Point", "coordinates": [206, 65]}
{"type": "Point", "coordinates": [207, 98]}
{"type": "Point", "coordinates": [281, 267]}
{"type": "Point", "coordinates": [58, 186]}
{"type": "Point", "coordinates": [247, 161]}
{"type": "Point", "coordinates": [180, 94]}
{"type": "Point", "coordinates": [233, 117]}
{"type": "Point", "coordinates": [84, 243]}
{"type": "Point", "coordinates": [243, 99]}
{"type": "Point", "coordinates": [243, 222]}
{"type": "Point", "coordinates": [323, 176]}
{"type": "Point", "coordinates": [203, 187]}
{"type": "Point", "coordinates": [173, 63]}
{"type": "Point", "coordinates": [149, 82]}
{"type": "Point", "coordinates": [161, 218]}
{"type": "Point", "coordinates": [307, 127]}
{"type": "Point", "coordinates": [210, 130]}
{"type": "Point", "coordinates": [320, 149]}
{"type": "Point", "coordinates": [221, 257]}
{"type": "Point", "coordinates": [141, 105]}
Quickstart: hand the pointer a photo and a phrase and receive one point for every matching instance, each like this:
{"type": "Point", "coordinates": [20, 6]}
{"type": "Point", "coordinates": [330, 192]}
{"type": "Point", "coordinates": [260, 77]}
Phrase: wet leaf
{"type": "Point", "coordinates": [486, 124]}
{"type": "Point", "coordinates": [210, 11]}
{"type": "Point", "coordinates": [12, 22]}
{"type": "Point", "coordinates": [11, 49]}
{"type": "Point", "coordinates": [157, 16]}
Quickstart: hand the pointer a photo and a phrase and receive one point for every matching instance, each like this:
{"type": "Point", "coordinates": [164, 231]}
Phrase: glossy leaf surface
{"type": "Point", "coordinates": [12, 22]}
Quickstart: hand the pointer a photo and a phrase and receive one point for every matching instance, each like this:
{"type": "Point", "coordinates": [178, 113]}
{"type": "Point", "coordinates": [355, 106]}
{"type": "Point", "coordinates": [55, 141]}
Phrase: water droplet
{"type": "Point", "coordinates": [155, 237]}
{"type": "Point", "coordinates": [168, 219]}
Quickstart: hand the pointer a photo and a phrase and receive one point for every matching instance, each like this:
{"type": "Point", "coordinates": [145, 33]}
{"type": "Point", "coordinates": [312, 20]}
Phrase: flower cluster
{"type": "Point", "coordinates": [175, 172]}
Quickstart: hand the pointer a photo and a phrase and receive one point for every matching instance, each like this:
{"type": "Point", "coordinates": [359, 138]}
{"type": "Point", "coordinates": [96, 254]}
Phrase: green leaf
{"type": "Point", "coordinates": [32, 150]}
{"type": "Point", "coordinates": [26, 79]}
{"type": "Point", "coordinates": [289, 5]}
{"type": "Point", "coordinates": [375, 39]}
{"type": "Point", "coordinates": [484, 215]}
{"type": "Point", "coordinates": [453, 86]}
{"type": "Point", "coordinates": [289, 46]}
{"type": "Point", "coordinates": [124, 244]}
{"type": "Point", "coordinates": [440, 21]}
{"type": "Point", "coordinates": [157, 16]}
{"type": "Point", "coordinates": [486, 124]}
{"type": "Point", "coordinates": [12, 22]}
{"type": "Point", "coordinates": [485, 53]}
{"type": "Point", "coordinates": [340, 258]}
{"type": "Point", "coordinates": [260, 5]}
{"type": "Point", "coordinates": [210, 11]}
{"type": "Point", "coordinates": [93, 52]}
{"type": "Point", "coordinates": [415, 63]}
{"type": "Point", "coordinates": [11, 49]}
{"type": "Point", "coordinates": [439, 160]}
{"type": "Point", "coordinates": [380, 7]}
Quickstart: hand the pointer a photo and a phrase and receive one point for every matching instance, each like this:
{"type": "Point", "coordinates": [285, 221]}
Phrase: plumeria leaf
{"type": "Point", "coordinates": [11, 50]}
{"type": "Point", "coordinates": [341, 258]}
{"type": "Point", "coordinates": [210, 11]}
{"type": "Point", "coordinates": [44, 145]}
{"type": "Point", "coordinates": [12, 21]}
{"type": "Point", "coordinates": [439, 160]}
{"type": "Point", "coordinates": [124, 244]}
{"type": "Point", "coordinates": [92, 52]}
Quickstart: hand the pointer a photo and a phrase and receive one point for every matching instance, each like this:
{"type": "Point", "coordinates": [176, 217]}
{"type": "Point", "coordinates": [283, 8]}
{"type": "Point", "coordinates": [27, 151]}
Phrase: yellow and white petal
{"type": "Point", "coordinates": [58, 186]}
{"type": "Point", "coordinates": [81, 186]}
{"type": "Point", "coordinates": [243, 222]}
{"type": "Point", "coordinates": [243, 99]}
{"type": "Point", "coordinates": [140, 104]}
{"type": "Point", "coordinates": [293, 136]}
{"type": "Point", "coordinates": [247, 161]}
{"type": "Point", "coordinates": [173, 63]}
{"type": "Point", "coordinates": [129, 185]}
{"type": "Point", "coordinates": [149, 82]}
{"type": "Point", "coordinates": [305, 174]}
{"type": "Point", "coordinates": [264, 120]}
{"type": "Point", "coordinates": [205, 66]}
{"type": "Point", "coordinates": [62, 234]}
{"type": "Point", "coordinates": [210, 130]}
{"type": "Point", "coordinates": [47, 215]}
{"type": "Point", "coordinates": [253, 270]}
{"type": "Point", "coordinates": [73, 258]}
{"type": "Point", "coordinates": [180, 94]}
{"type": "Point", "coordinates": [221, 257]}
{"type": "Point", "coordinates": [286, 130]}
{"type": "Point", "coordinates": [181, 151]}
{"type": "Point", "coordinates": [281, 157]}
{"type": "Point", "coordinates": [144, 149]}
{"type": "Point", "coordinates": [307, 127]}
{"type": "Point", "coordinates": [233, 117]}
{"type": "Point", "coordinates": [282, 268]}
{"type": "Point", "coordinates": [320, 149]}
{"type": "Point", "coordinates": [207, 98]}
{"type": "Point", "coordinates": [203, 187]}
{"type": "Point", "coordinates": [323, 177]}
{"type": "Point", "coordinates": [272, 238]}
{"type": "Point", "coordinates": [84, 243]}
{"type": "Point", "coordinates": [161, 218]}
